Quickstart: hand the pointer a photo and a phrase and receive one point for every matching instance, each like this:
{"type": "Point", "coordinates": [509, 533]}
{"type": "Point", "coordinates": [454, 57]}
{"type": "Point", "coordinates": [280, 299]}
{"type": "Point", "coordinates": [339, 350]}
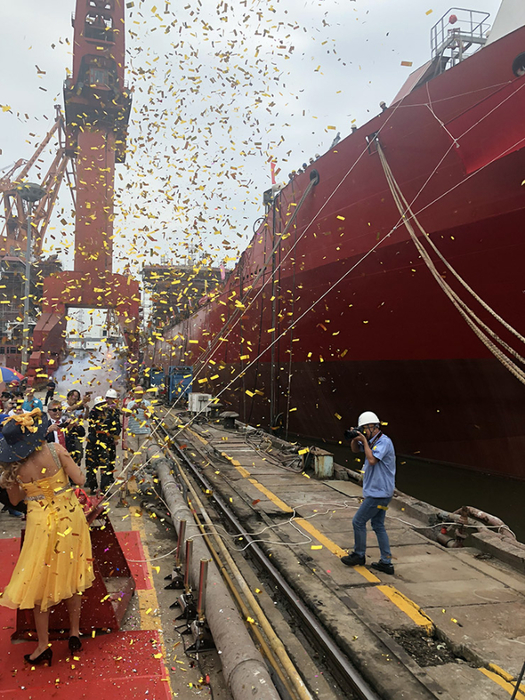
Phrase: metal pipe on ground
{"type": "Point", "coordinates": [487, 519]}
{"type": "Point", "coordinates": [300, 689]}
{"type": "Point", "coordinates": [244, 669]}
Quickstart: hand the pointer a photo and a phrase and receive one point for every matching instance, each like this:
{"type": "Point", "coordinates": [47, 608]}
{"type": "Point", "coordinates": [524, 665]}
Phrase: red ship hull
{"type": "Point", "coordinates": [368, 326]}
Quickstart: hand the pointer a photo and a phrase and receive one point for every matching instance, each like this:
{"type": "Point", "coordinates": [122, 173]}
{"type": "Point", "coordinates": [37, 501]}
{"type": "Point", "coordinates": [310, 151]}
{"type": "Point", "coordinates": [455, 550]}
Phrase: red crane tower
{"type": "Point", "coordinates": [97, 107]}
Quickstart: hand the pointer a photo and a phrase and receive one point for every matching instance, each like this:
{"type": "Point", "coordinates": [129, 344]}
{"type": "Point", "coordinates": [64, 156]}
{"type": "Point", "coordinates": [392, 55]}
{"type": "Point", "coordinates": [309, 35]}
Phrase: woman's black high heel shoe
{"type": "Point", "coordinates": [46, 655]}
{"type": "Point", "coordinates": [74, 644]}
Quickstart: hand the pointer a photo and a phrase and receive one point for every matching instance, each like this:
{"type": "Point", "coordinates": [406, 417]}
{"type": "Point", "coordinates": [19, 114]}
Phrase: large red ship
{"type": "Point", "coordinates": [331, 309]}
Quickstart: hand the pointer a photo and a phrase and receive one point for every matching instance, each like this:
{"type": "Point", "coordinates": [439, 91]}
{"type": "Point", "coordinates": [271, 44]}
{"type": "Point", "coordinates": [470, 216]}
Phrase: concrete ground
{"type": "Point", "coordinates": [453, 619]}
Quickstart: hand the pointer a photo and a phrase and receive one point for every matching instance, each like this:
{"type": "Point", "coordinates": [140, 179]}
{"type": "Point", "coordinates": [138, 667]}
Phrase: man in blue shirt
{"type": "Point", "coordinates": [378, 489]}
{"type": "Point", "coordinates": [31, 401]}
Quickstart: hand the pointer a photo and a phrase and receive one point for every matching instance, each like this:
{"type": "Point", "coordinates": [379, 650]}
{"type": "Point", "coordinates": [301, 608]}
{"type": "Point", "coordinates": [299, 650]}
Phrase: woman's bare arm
{"type": "Point", "coordinates": [70, 467]}
{"type": "Point", "coordinates": [16, 494]}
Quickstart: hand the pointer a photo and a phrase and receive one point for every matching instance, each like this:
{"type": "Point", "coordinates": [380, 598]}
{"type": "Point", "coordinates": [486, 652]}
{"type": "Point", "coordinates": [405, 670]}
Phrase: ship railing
{"type": "Point", "coordinates": [458, 34]}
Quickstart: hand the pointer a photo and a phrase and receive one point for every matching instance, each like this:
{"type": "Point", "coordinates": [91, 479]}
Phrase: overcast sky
{"type": "Point", "coordinates": [219, 90]}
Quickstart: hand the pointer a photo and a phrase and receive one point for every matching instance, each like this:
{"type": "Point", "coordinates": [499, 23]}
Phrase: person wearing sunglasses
{"type": "Point", "coordinates": [55, 431]}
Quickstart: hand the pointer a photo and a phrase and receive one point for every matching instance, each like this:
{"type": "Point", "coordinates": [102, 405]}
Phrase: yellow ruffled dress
{"type": "Point", "coordinates": [56, 560]}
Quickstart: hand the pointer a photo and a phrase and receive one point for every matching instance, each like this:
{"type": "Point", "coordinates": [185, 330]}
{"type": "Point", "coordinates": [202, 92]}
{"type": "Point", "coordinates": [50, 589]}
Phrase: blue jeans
{"type": "Point", "coordinates": [373, 509]}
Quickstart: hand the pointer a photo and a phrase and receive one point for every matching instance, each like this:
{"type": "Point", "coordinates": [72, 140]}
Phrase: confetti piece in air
{"type": "Point", "coordinates": [407, 64]}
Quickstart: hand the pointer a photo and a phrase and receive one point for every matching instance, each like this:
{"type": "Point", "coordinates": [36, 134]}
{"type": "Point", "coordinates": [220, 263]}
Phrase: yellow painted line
{"type": "Point", "coordinates": [271, 496]}
{"type": "Point", "coordinates": [148, 601]}
{"type": "Point", "coordinates": [199, 437]}
{"type": "Point", "coordinates": [496, 677]}
{"type": "Point", "coordinates": [507, 677]}
{"type": "Point", "coordinates": [505, 674]}
{"type": "Point", "coordinates": [411, 609]}
{"type": "Point", "coordinates": [334, 548]}
{"type": "Point", "coordinates": [148, 598]}
{"type": "Point", "coordinates": [408, 606]}
{"type": "Point", "coordinates": [366, 573]}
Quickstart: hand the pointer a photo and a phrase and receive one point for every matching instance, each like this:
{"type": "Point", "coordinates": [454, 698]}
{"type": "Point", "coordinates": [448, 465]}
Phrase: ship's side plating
{"type": "Point", "coordinates": [367, 326]}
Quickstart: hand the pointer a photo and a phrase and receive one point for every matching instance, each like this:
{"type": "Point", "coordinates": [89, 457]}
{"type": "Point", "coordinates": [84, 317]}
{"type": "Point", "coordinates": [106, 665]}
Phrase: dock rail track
{"type": "Point", "coordinates": [344, 672]}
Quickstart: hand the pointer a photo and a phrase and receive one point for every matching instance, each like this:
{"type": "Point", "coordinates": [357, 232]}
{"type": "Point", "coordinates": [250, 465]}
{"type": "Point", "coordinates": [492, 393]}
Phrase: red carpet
{"type": "Point", "coordinates": [121, 662]}
{"type": "Point", "coordinates": [132, 547]}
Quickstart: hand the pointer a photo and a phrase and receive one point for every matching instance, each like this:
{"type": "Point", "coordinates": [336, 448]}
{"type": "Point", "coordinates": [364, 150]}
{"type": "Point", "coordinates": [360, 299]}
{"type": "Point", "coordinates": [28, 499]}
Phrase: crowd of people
{"type": "Point", "coordinates": [89, 429]}
{"type": "Point", "coordinates": [41, 456]}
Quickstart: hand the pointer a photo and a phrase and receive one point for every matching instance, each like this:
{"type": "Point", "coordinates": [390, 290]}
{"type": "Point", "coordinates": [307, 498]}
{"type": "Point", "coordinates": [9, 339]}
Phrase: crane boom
{"type": "Point", "coordinates": [14, 229]}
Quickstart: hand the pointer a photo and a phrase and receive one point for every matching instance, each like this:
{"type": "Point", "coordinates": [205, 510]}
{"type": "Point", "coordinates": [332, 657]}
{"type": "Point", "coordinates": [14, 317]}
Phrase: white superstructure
{"type": "Point", "coordinates": [511, 16]}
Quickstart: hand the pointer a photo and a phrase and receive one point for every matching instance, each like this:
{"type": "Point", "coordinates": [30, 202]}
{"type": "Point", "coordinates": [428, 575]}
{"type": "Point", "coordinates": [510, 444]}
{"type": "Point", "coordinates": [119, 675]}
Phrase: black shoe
{"type": "Point", "coordinates": [383, 566]}
{"type": "Point", "coordinates": [353, 559]}
{"type": "Point", "coordinates": [74, 644]}
{"type": "Point", "coordinates": [46, 655]}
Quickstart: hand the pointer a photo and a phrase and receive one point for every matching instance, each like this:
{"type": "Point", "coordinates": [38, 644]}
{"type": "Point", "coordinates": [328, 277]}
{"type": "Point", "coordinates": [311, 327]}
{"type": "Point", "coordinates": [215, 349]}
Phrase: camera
{"type": "Point", "coordinates": [351, 433]}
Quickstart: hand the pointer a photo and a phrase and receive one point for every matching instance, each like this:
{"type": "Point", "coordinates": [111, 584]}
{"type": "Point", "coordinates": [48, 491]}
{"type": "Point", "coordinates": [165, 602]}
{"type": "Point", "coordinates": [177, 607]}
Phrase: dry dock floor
{"type": "Point", "coordinates": [455, 618]}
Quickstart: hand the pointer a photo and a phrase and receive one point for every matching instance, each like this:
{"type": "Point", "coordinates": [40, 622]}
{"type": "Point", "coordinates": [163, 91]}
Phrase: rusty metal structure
{"type": "Point", "coordinates": [13, 238]}
{"type": "Point", "coordinates": [97, 107]}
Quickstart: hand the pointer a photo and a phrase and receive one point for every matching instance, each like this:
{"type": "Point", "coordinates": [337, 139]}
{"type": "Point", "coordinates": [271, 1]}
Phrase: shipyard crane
{"type": "Point", "coordinates": [13, 238]}
{"type": "Point", "coordinates": [51, 159]}
{"type": "Point", "coordinates": [97, 107]}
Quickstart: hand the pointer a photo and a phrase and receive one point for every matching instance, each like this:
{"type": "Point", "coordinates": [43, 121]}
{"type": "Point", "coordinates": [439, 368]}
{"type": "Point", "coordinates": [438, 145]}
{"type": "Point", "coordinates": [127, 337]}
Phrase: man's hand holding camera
{"type": "Point", "coordinates": [357, 438]}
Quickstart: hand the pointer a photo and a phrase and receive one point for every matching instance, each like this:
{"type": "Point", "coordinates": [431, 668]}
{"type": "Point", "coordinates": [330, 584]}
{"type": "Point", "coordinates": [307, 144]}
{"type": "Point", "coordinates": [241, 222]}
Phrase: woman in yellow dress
{"type": "Point", "coordinates": [55, 562]}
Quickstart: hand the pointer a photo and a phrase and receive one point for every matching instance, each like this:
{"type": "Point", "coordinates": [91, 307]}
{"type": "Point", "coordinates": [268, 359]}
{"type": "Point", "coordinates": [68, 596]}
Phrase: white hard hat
{"type": "Point", "coordinates": [111, 394]}
{"type": "Point", "coordinates": [368, 417]}
{"type": "Point", "coordinates": [98, 401]}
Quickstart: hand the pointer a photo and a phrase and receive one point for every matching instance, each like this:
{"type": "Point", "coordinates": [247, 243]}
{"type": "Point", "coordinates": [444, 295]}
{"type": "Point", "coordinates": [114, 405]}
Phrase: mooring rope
{"type": "Point", "coordinates": [481, 329]}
